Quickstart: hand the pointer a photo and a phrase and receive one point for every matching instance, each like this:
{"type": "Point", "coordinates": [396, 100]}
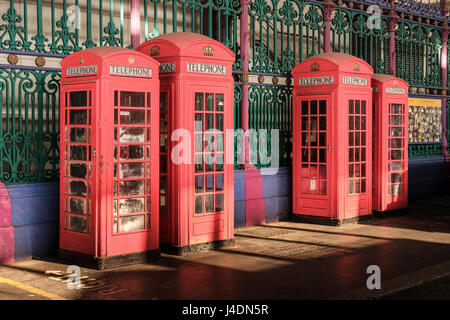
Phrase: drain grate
{"type": "Point", "coordinates": [303, 251]}
{"type": "Point", "coordinates": [266, 232]}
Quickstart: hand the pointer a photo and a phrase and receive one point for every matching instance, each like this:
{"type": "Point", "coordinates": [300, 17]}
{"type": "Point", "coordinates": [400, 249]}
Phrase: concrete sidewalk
{"type": "Point", "coordinates": [283, 260]}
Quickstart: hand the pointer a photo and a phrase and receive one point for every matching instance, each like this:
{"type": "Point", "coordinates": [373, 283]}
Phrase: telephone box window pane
{"type": "Point", "coordinates": [219, 122]}
{"type": "Point", "coordinates": [396, 143]}
{"type": "Point", "coordinates": [163, 143]}
{"type": "Point", "coordinates": [209, 203]}
{"type": "Point", "coordinates": [322, 172]}
{"type": "Point", "coordinates": [305, 108]}
{"type": "Point", "coordinates": [322, 156]}
{"type": "Point", "coordinates": [313, 155]}
{"type": "Point", "coordinates": [350, 187]}
{"type": "Point", "coordinates": [78, 153]}
{"type": "Point", "coordinates": [351, 109]}
{"type": "Point", "coordinates": [131, 170]}
{"type": "Point", "coordinates": [305, 155]}
{"type": "Point", "coordinates": [209, 121]}
{"type": "Point", "coordinates": [198, 122]}
{"type": "Point", "coordinates": [363, 107]}
{"type": "Point", "coordinates": [116, 116]}
{"type": "Point", "coordinates": [396, 189]}
{"type": "Point", "coordinates": [313, 106]}
{"type": "Point", "coordinates": [198, 184]}
{"type": "Point", "coordinates": [219, 182]}
{"type": "Point", "coordinates": [322, 107]}
{"type": "Point", "coordinates": [396, 108]}
{"type": "Point", "coordinates": [396, 120]}
{"type": "Point", "coordinates": [219, 102]}
{"type": "Point", "coordinates": [219, 202]}
{"type": "Point", "coordinates": [78, 135]}
{"type": "Point", "coordinates": [78, 170]}
{"type": "Point", "coordinates": [351, 123]}
{"type": "Point", "coordinates": [163, 184]}
{"type": "Point", "coordinates": [131, 205]}
{"type": "Point", "coordinates": [77, 188]}
{"type": "Point", "coordinates": [78, 98]}
{"type": "Point", "coordinates": [77, 224]}
{"type": "Point", "coordinates": [209, 183]}
{"type": "Point", "coordinates": [351, 139]}
{"type": "Point", "coordinates": [219, 142]}
{"type": "Point", "coordinates": [357, 107]}
{"type": "Point", "coordinates": [132, 116]}
{"type": "Point", "coordinates": [116, 99]}
{"type": "Point", "coordinates": [132, 223]}
{"type": "Point", "coordinates": [396, 177]}
{"type": "Point", "coordinates": [396, 132]}
{"type": "Point", "coordinates": [163, 101]}
{"type": "Point", "coordinates": [132, 99]}
{"type": "Point", "coordinates": [210, 101]}
{"type": "Point", "coordinates": [163, 163]}
{"type": "Point", "coordinates": [149, 100]}
{"type": "Point", "coordinates": [313, 124]}
{"type": "Point", "coordinates": [132, 152]}
{"type": "Point", "coordinates": [198, 101]}
{"type": "Point", "coordinates": [77, 205]}
{"type": "Point", "coordinates": [163, 208]}
{"type": "Point", "coordinates": [132, 188]}
{"type": "Point", "coordinates": [396, 166]}
{"type": "Point", "coordinates": [363, 123]}
{"type": "Point", "coordinates": [322, 123]}
{"type": "Point", "coordinates": [304, 123]}
{"type": "Point", "coordinates": [396, 155]}
{"type": "Point", "coordinates": [78, 116]}
{"type": "Point", "coordinates": [305, 140]}
{"type": "Point", "coordinates": [363, 186]}
{"type": "Point", "coordinates": [162, 121]}
{"type": "Point", "coordinates": [199, 204]}
{"type": "Point", "coordinates": [128, 134]}
{"type": "Point", "coordinates": [219, 162]}
{"type": "Point", "coordinates": [198, 143]}
{"type": "Point", "coordinates": [351, 171]}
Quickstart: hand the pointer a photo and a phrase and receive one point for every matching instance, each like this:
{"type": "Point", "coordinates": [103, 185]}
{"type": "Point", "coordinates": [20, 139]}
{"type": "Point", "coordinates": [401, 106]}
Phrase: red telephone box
{"type": "Point", "coordinates": [390, 156]}
{"type": "Point", "coordinates": [196, 196]}
{"type": "Point", "coordinates": [109, 178]}
{"type": "Point", "coordinates": [332, 148]}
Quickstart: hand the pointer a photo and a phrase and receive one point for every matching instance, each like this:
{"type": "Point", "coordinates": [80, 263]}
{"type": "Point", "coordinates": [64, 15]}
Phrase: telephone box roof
{"type": "Point", "coordinates": [333, 61]}
{"type": "Point", "coordinates": [183, 42]}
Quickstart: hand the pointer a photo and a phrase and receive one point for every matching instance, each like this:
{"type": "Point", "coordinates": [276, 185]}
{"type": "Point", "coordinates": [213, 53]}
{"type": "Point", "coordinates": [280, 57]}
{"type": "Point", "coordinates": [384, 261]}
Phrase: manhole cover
{"type": "Point", "coordinates": [266, 232]}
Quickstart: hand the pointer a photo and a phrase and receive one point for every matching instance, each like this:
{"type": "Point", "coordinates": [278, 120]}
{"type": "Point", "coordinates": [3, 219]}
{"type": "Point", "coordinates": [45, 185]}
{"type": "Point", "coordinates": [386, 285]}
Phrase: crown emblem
{"type": "Point", "coordinates": [81, 60]}
{"type": "Point", "coordinates": [315, 67]}
{"type": "Point", "coordinates": [155, 51]}
{"type": "Point", "coordinates": [131, 60]}
{"type": "Point", "coordinates": [208, 51]}
{"type": "Point", "coordinates": [356, 67]}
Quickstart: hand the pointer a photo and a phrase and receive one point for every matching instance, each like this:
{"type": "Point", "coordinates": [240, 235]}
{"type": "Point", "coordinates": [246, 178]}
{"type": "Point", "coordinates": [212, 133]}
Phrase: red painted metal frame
{"type": "Point", "coordinates": [331, 191]}
{"type": "Point", "coordinates": [182, 226]}
{"type": "Point", "coordinates": [99, 238]}
{"type": "Point", "coordinates": [390, 91]}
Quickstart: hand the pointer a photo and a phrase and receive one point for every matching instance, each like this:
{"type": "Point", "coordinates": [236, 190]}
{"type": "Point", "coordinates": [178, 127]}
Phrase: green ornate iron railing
{"type": "Point", "coordinates": [29, 132]}
{"type": "Point", "coordinates": [350, 34]}
{"type": "Point", "coordinates": [283, 33]}
{"type": "Point", "coordinates": [418, 52]}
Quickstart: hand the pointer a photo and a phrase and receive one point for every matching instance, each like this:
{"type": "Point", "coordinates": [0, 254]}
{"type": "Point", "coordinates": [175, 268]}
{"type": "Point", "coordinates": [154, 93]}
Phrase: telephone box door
{"type": "Point", "coordinates": [359, 165]}
{"type": "Point", "coordinates": [312, 127]}
{"type": "Point", "coordinates": [132, 169]}
{"type": "Point", "coordinates": [78, 191]}
{"type": "Point", "coordinates": [209, 221]}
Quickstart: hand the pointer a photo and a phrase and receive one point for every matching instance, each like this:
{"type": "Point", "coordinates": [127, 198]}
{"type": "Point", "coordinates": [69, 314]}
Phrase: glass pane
{"type": "Point", "coordinates": [209, 101]}
{"type": "Point", "coordinates": [132, 134]}
{"type": "Point", "coordinates": [396, 132]}
{"type": "Point", "coordinates": [78, 98]}
{"type": "Point", "coordinates": [132, 223]}
{"type": "Point", "coordinates": [322, 107]}
{"type": "Point", "coordinates": [396, 177]}
{"type": "Point", "coordinates": [132, 99]}
{"type": "Point", "coordinates": [78, 116]}
{"type": "Point", "coordinates": [132, 188]}
{"type": "Point", "coordinates": [78, 135]}
{"type": "Point", "coordinates": [313, 107]}
{"type": "Point", "coordinates": [396, 166]}
{"type": "Point", "coordinates": [396, 189]}
{"type": "Point", "coordinates": [219, 182]}
{"type": "Point", "coordinates": [322, 123]}
{"type": "Point", "coordinates": [219, 122]}
{"type": "Point", "coordinates": [198, 122]}
{"type": "Point", "coordinates": [209, 121]}
{"type": "Point", "coordinates": [305, 108]}
{"type": "Point", "coordinates": [219, 202]}
{"type": "Point", "coordinates": [163, 101]}
{"type": "Point", "coordinates": [131, 205]}
{"type": "Point", "coordinates": [163, 207]}
{"type": "Point", "coordinates": [351, 109]}
{"type": "Point", "coordinates": [77, 205]}
{"type": "Point", "coordinates": [198, 184]}
{"type": "Point", "coordinates": [131, 170]}
{"type": "Point", "coordinates": [78, 170]}
{"type": "Point", "coordinates": [210, 183]}
{"type": "Point", "coordinates": [209, 203]}
{"type": "Point", "coordinates": [132, 116]}
{"type": "Point", "coordinates": [77, 224]}
{"type": "Point", "coordinates": [199, 101]}
{"type": "Point", "coordinates": [199, 204]}
{"type": "Point", "coordinates": [219, 102]}
{"type": "Point", "coordinates": [304, 123]}
{"type": "Point", "coordinates": [132, 152]}
{"type": "Point", "coordinates": [396, 120]}
{"type": "Point", "coordinates": [77, 188]}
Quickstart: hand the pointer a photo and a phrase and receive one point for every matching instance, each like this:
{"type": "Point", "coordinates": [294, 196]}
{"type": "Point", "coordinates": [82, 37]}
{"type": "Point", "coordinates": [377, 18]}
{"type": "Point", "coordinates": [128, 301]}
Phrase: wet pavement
{"type": "Point", "coordinates": [282, 260]}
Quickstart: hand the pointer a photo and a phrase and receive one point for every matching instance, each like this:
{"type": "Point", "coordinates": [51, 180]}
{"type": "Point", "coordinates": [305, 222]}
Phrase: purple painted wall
{"type": "Point", "coordinates": [6, 229]}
